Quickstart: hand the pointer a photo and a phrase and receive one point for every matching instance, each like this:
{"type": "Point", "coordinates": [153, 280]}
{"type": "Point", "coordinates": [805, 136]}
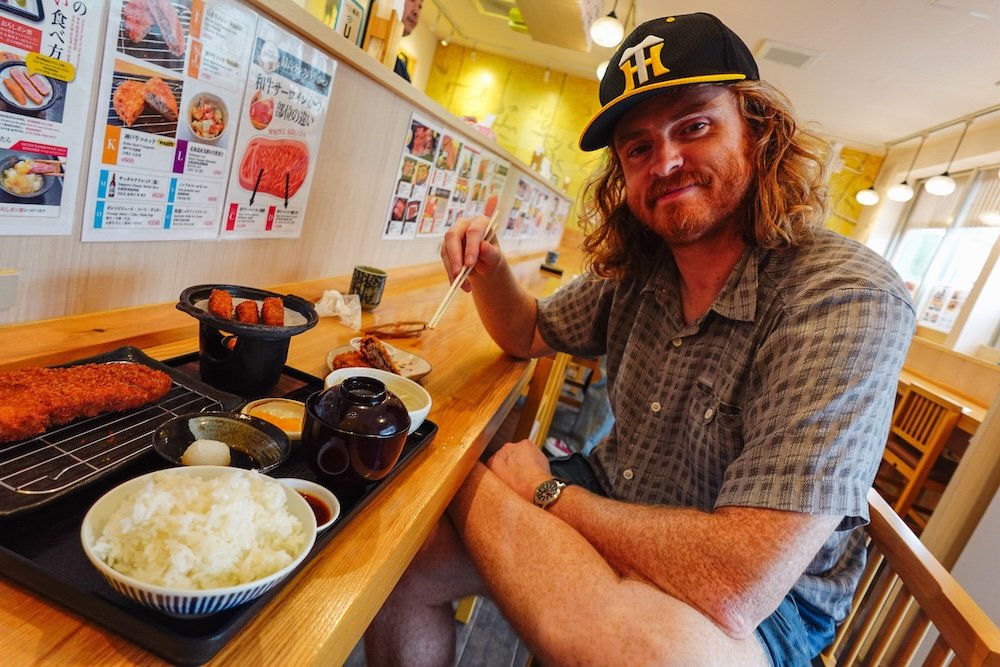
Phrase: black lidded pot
{"type": "Point", "coordinates": [354, 434]}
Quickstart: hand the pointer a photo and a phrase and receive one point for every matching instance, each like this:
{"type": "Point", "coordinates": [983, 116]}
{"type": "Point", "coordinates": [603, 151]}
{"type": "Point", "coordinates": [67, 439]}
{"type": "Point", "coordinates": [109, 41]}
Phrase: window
{"type": "Point", "coordinates": [945, 244]}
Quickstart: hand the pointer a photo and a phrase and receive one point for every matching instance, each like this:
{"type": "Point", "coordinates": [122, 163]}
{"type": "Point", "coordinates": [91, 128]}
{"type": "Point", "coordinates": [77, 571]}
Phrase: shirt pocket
{"type": "Point", "coordinates": [715, 426]}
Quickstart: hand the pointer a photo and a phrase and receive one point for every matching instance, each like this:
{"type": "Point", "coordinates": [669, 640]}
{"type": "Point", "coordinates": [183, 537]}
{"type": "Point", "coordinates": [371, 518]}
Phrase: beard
{"type": "Point", "coordinates": [717, 205]}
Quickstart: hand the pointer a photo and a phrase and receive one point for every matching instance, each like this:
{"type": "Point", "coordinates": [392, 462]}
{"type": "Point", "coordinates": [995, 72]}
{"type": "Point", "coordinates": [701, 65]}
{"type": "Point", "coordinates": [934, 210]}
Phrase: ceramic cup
{"type": "Point", "coordinates": [368, 283]}
{"type": "Point", "coordinates": [551, 257]}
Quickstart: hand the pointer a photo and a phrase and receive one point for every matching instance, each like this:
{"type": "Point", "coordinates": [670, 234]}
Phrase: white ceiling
{"type": "Point", "coordinates": [887, 68]}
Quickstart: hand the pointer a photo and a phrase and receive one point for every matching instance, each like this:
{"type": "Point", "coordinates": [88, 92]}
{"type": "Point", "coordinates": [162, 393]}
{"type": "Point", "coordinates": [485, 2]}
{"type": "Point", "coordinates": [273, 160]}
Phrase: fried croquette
{"type": "Point", "coordinates": [33, 400]}
{"type": "Point", "coordinates": [220, 304]}
{"type": "Point", "coordinates": [246, 312]}
{"type": "Point", "coordinates": [352, 359]}
{"type": "Point", "coordinates": [272, 312]}
{"type": "Point", "coordinates": [371, 354]}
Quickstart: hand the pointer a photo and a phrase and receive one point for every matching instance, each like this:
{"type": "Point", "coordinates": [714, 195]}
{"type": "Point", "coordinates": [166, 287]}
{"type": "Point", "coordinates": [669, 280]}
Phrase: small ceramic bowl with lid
{"type": "Point", "coordinates": [414, 397]}
{"type": "Point", "coordinates": [354, 434]}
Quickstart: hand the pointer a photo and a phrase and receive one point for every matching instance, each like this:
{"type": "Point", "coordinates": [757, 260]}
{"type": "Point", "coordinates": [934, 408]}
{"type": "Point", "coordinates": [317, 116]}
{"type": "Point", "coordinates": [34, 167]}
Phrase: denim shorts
{"type": "Point", "coordinates": [792, 636]}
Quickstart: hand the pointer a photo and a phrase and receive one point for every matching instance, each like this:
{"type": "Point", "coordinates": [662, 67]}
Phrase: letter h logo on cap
{"type": "Point", "coordinates": [633, 62]}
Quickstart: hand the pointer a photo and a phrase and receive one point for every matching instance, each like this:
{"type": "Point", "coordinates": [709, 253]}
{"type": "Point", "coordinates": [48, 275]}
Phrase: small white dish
{"type": "Point", "coordinates": [414, 397]}
{"type": "Point", "coordinates": [410, 365]}
{"type": "Point", "coordinates": [316, 494]}
{"type": "Point", "coordinates": [285, 413]}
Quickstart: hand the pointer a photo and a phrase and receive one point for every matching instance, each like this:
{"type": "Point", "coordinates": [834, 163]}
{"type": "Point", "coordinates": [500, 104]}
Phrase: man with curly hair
{"type": "Point", "coordinates": [752, 359]}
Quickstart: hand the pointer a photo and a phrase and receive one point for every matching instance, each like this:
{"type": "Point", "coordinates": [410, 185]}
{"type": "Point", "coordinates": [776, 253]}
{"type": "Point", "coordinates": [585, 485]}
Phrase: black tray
{"type": "Point", "coordinates": [43, 469]}
{"type": "Point", "coordinates": [41, 550]}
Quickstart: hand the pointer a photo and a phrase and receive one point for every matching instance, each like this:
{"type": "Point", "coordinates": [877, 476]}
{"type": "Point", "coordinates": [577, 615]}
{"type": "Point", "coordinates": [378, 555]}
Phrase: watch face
{"type": "Point", "coordinates": [547, 492]}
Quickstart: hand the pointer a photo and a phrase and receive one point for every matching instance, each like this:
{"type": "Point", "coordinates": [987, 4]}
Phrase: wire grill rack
{"type": "Point", "coordinates": [42, 469]}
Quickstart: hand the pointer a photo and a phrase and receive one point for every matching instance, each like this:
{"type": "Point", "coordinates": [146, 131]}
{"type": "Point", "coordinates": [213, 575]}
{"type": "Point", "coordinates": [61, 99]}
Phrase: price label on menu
{"type": "Point", "coordinates": [172, 83]}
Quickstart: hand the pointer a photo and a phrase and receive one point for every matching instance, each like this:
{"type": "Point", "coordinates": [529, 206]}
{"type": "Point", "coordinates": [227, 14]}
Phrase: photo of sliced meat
{"type": "Point", "coordinates": [22, 80]}
{"type": "Point", "coordinates": [275, 166]}
{"type": "Point", "coordinates": [169, 23]}
{"type": "Point", "coordinates": [159, 96]}
{"type": "Point", "coordinates": [40, 84]}
{"type": "Point", "coordinates": [129, 100]}
{"type": "Point", "coordinates": [138, 20]}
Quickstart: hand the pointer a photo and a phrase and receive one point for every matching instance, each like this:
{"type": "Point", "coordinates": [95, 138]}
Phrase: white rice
{"type": "Point", "coordinates": [188, 532]}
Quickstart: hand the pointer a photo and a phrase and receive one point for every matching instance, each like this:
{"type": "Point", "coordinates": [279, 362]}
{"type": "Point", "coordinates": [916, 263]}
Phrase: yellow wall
{"type": "Point", "coordinates": [531, 113]}
{"type": "Point", "coordinates": [858, 172]}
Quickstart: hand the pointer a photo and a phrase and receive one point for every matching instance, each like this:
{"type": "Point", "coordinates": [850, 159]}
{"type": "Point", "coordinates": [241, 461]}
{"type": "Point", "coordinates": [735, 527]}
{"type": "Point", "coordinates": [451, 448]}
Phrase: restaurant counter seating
{"type": "Point", "coordinates": [903, 592]}
{"type": "Point", "coordinates": [922, 423]}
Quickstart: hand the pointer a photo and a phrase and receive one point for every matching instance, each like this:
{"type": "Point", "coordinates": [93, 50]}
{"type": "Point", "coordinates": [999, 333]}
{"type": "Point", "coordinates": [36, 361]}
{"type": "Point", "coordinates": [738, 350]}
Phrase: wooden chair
{"type": "Point", "coordinates": [921, 425]}
{"type": "Point", "coordinates": [903, 578]}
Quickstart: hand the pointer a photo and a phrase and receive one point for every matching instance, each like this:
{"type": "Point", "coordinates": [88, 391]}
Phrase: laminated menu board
{"type": "Point", "coordinates": [535, 212]}
{"type": "Point", "coordinates": [171, 86]}
{"type": "Point", "coordinates": [413, 180]}
{"type": "Point", "coordinates": [284, 109]}
{"type": "Point", "coordinates": [48, 51]}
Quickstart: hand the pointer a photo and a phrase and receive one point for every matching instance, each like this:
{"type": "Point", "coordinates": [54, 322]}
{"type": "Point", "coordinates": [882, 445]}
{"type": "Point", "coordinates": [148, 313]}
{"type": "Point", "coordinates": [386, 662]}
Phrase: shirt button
{"type": "Point", "coordinates": [676, 342]}
{"type": "Point", "coordinates": [709, 414]}
{"type": "Point", "coordinates": [655, 406]}
{"type": "Point", "coordinates": [628, 474]}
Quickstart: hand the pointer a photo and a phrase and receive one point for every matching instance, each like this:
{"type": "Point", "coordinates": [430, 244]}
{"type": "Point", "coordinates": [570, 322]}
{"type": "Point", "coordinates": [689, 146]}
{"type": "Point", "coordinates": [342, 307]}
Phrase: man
{"type": "Point", "coordinates": [411, 16]}
{"type": "Point", "coordinates": [752, 361]}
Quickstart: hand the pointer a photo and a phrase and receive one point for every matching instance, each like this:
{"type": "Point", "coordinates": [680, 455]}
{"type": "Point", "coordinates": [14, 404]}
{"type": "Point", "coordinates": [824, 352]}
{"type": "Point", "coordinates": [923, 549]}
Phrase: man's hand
{"type": "Point", "coordinates": [464, 246]}
{"type": "Point", "coordinates": [522, 466]}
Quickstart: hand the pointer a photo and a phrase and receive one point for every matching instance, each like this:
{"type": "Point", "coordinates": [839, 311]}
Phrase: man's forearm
{"type": "Point", "coordinates": [734, 565]}
{"type": "Point", "coordinates": [508, 311]}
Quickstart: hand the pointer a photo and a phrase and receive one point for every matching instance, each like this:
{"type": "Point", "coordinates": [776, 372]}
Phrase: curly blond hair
{"type": "Point", "coordinates": [787, 199]}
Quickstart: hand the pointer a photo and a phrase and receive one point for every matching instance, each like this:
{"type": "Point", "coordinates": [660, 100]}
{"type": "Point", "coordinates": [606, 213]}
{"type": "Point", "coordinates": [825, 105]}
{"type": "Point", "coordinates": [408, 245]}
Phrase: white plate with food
{"type": "Point", "coordinates": [370, 352]}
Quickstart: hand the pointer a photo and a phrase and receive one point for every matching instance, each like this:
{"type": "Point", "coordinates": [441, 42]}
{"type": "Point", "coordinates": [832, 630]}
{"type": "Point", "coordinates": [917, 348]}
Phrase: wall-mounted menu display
{"type": "Point", "coordinates": [412, 179]}
{"type": "Point", "coordinates": [535, 212]}
{"type": "Point", "coordinates": [171, 87]}
{"type": "Point", "coordinates": [441, 178]}
{"type": "Point", "coordinates": [47, 57]}
{"type": "Point", "coordinates": [284, 109]}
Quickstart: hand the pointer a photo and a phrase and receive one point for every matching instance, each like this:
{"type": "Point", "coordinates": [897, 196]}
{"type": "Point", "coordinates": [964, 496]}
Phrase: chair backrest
{"type": "Point", "coordinates": [903, 592]}
{"type": "Point", "coordinates": [921, 425]}
{"type": "Point", "coordinates": [923, 419]}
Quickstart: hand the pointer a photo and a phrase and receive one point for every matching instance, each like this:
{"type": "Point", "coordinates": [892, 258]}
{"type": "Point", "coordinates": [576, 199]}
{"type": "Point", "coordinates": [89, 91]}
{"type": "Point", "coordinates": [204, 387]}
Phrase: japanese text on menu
{"type": "Point", "coordinates": [171, 85]}
{"type": "Point", "coordinates": [285, 104]}
{"type": "Point", "coordinates": [47, 54]}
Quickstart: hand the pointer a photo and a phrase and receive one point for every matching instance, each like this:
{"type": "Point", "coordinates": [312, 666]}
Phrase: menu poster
{"type": "Point", "coordinates": [48, 52]}
{"type": "Point", "coordinates": [444, 182]}
{"type": "Point", "coordinates": [280, 129]}
{"type": "Point", "coordinates": [171, 87]}
{"type": "Point", "coordinates": [943, 307]}
{"type": "Point", "coordinates": [490, 174]}
{"type": "Point", "coordinates": [412, 179]}
{"type": "Point", "coordinates": [518, 210]}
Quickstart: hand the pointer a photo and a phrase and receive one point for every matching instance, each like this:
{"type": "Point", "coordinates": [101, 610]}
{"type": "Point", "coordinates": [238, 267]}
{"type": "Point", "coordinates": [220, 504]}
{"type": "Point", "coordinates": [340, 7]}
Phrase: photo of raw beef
{"type": "Point", "coordinates": [275, 166]}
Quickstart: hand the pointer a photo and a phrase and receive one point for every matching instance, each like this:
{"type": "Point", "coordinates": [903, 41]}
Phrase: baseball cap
{"type": "Point", "coordinates": [661, 54]}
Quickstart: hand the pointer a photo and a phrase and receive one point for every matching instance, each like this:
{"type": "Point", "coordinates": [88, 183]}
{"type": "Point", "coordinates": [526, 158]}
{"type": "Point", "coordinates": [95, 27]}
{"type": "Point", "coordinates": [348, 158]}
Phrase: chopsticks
{"type": "Point", "coordinates": [488, 236]}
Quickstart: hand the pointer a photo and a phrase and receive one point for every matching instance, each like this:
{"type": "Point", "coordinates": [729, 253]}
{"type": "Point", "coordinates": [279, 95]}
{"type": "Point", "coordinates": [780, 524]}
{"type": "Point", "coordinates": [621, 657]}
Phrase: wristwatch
{"type": "Point", "coordinates": [548, 492]}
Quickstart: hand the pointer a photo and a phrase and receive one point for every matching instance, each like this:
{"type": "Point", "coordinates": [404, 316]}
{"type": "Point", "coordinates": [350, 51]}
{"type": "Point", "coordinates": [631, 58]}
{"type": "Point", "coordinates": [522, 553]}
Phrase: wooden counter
{"type": "Point", "coordinates": [320, 615]}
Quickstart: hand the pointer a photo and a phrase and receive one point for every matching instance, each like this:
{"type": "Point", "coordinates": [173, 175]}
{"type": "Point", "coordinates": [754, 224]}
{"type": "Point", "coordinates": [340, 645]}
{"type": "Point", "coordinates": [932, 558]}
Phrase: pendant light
{"type": "Point", "coordinates": [902, 192]}
{"type": "Point", "coordinates": [608, 30]}
{"type": "Point", "coordinates": [867, 197]}
{"type": "Point", "coordinates": [943, 185]}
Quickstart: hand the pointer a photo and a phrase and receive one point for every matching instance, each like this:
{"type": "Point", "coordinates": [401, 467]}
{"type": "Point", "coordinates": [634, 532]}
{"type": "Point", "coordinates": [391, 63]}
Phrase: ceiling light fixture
{"type": "Point", "coordinates": [904, 191]}
{"type": "Point", "coordinates": [867, 197]}
{"type": "Point", "coordinates": [607, 31]}
{"type": "Point", "coordinates": [943, 184]}
{"type": "Point", "coordinates": [602, 67]}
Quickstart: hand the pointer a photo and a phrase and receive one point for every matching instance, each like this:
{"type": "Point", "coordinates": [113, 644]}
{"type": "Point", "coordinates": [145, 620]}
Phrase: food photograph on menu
{"type": "Point", "coordinates": [155, 31]}
{"type": "Point", "coordinates": [143, 101]}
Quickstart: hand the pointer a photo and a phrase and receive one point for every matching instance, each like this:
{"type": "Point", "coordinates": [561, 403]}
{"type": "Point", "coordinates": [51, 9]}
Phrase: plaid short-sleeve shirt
{"type": "Point", "coordinates": [779, 396]}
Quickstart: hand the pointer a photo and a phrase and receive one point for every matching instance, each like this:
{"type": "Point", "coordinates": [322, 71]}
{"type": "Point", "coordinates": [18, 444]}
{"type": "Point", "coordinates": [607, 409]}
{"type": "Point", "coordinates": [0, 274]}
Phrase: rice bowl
{"type": "Point", "coordinates": [195, 541]}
